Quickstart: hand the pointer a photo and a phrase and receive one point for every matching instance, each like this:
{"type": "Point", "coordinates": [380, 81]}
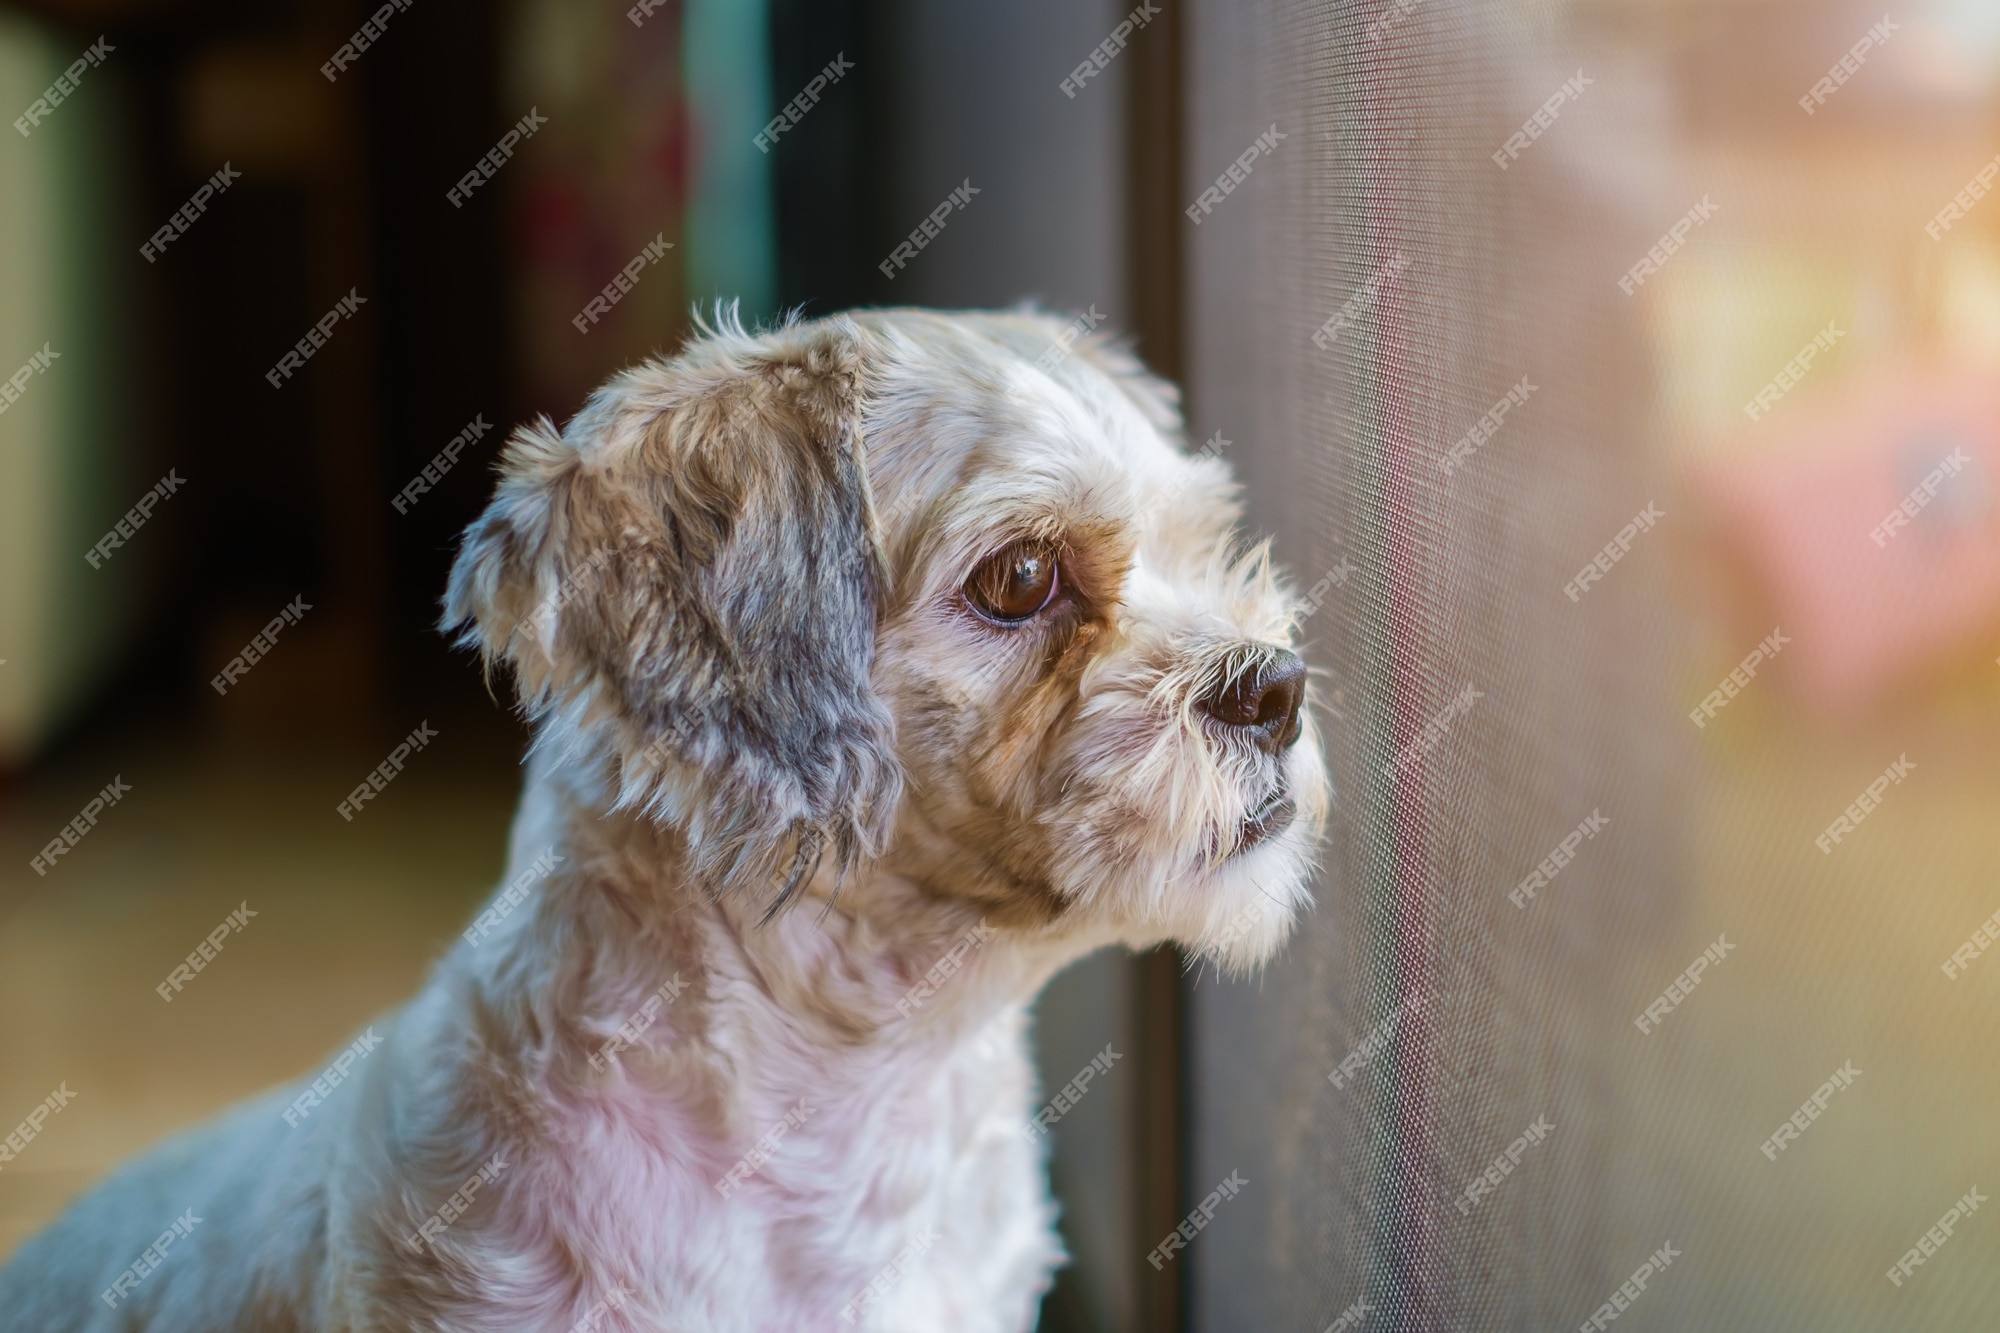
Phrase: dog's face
{"type": "Point", "coordinates": [1096, 706]}
{"type": "Point", "coordinates": [914, 588]}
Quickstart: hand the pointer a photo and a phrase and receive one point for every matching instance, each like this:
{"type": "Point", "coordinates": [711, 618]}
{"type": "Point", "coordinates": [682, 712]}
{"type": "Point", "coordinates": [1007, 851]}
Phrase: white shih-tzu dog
{"type": "Point", "coordinates": [880, 665]}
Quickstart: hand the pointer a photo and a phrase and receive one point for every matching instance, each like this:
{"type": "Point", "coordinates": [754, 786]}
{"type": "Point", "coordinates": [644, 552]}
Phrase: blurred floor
{"type": "Point", "coordinates": [348, 917]}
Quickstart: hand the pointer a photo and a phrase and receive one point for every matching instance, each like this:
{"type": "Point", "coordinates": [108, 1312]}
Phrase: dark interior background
{"type": "Point", "coordinates": [287, 491]}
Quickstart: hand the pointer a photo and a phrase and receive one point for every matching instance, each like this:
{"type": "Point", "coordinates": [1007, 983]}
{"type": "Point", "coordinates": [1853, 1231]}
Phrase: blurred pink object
{"type": "Point", "coordinates": [1870, 521]}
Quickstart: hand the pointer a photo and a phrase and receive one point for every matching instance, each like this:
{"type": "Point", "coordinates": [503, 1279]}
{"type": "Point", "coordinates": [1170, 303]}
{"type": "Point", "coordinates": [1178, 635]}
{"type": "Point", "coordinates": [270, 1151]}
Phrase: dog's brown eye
{"type": "Point", "coordinates": [1015, 584]}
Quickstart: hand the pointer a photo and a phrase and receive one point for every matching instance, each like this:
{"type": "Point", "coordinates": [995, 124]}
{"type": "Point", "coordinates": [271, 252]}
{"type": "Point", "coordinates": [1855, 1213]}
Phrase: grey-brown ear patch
{"type": "Point", "coordinates": [697, 594]}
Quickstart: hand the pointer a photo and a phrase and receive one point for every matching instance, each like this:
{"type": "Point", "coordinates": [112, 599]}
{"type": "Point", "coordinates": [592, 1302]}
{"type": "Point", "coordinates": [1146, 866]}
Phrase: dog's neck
{"type": "Point", "coordinates": [860, 972]}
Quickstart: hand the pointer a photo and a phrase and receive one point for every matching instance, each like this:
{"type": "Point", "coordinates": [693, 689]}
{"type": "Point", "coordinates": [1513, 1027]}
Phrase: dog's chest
{"type": "Point", "coordinates": [897, 1192]}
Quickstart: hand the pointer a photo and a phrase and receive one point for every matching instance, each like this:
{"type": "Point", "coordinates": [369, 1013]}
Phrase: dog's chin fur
{"type": "Point", "coordinates": [784, 770]}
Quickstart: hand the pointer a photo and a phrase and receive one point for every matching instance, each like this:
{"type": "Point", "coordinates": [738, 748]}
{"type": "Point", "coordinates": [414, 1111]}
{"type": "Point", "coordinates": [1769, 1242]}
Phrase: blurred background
{"type": "Point", "coordinates": [1763, 175]}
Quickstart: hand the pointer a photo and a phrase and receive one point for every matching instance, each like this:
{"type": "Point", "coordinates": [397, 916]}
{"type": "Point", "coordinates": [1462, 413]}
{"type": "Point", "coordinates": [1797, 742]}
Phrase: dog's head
{"type": "Point", "coordinates": [940, 592]}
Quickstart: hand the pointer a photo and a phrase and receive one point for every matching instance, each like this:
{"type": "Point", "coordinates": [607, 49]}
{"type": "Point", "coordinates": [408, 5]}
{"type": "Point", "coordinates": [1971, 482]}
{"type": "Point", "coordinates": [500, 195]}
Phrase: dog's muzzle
{"type": "Point", "coordinates": [1267, 820]}
{"type": "Point", "coordinates": [1261, 704]}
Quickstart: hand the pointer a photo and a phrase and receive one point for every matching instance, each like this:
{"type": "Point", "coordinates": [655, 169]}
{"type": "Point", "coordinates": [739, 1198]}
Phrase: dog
{"type": "Point", "coordinates": [879, 665]}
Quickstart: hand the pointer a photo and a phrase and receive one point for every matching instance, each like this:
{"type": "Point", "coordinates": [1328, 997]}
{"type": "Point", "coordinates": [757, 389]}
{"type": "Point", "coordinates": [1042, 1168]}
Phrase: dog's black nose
{"type": "Point", "coordinates": [1262, 701]}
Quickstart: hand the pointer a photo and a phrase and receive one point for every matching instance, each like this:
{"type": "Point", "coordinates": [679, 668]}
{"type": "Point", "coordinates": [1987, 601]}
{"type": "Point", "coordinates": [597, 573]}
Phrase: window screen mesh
{"type": "Point", "coordinates": [1762, 731]}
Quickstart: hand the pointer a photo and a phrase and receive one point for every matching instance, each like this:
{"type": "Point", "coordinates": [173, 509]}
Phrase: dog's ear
{"type": "Point", "coordinates": [685, 583]}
